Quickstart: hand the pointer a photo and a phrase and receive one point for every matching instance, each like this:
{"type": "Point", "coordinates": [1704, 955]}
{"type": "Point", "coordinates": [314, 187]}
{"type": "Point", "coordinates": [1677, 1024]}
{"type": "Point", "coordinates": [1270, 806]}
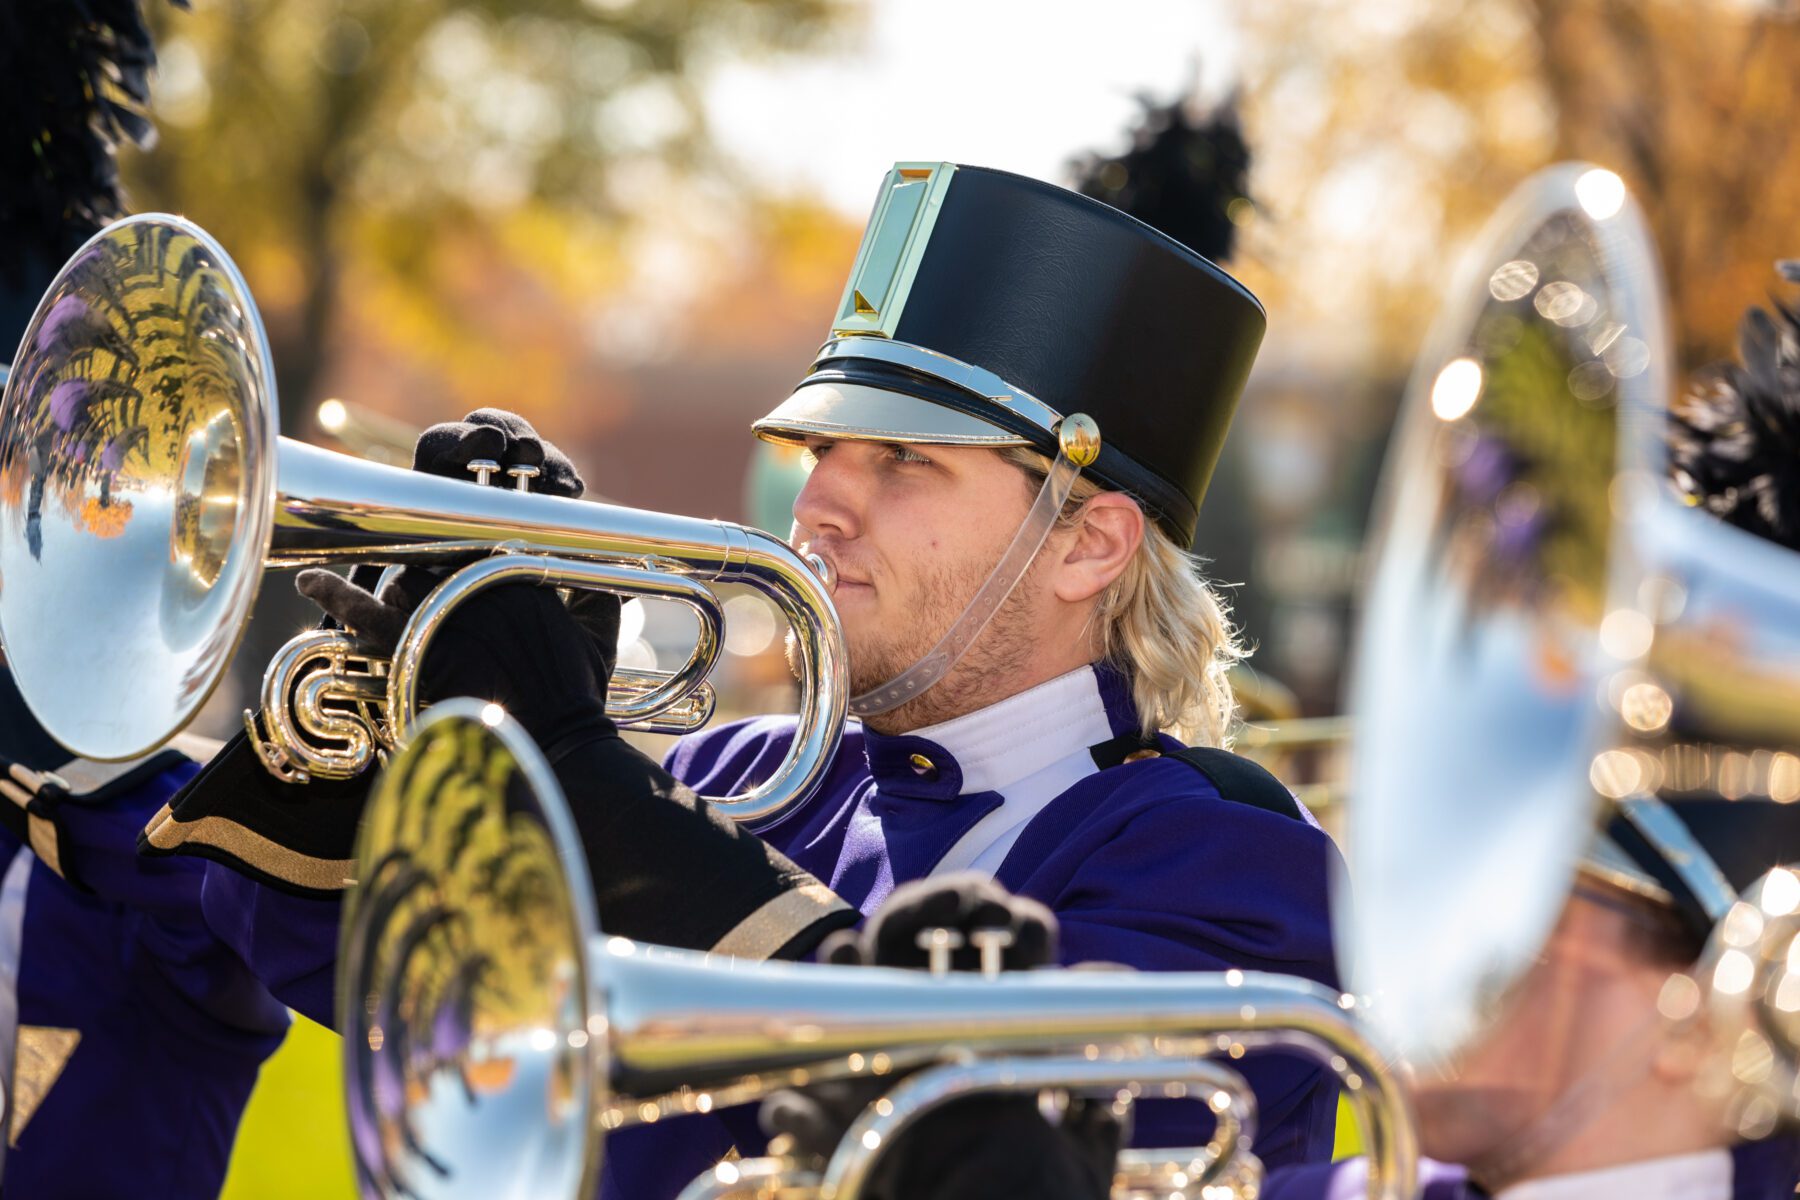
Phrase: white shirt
{"type": "Point", "coordinates": [1705, 1175]}
{"type": "Point", "coordinates": [1702, 1176]}
{"type": "Point", "coordinates": [1030, 748]}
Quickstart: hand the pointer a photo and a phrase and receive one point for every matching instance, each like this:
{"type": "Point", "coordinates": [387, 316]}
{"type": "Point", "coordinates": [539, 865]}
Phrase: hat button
{"type": "Point", "coordinates": [924, 767]}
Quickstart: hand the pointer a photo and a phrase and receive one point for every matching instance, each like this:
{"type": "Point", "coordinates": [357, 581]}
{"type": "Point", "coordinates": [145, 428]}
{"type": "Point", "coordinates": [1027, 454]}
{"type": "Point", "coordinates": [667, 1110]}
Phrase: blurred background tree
{"type": "Point", "coordinates": [373, 164]}
{"type": "Point", "coordinates": [1384, 136]}
{"type": "Point", "coordinates": [1386, 133]}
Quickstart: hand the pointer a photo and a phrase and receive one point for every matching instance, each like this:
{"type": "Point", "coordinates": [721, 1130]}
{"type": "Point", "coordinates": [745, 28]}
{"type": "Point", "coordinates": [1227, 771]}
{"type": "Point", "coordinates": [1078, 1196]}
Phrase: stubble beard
{"type": "Point", "coordinates": [978, 679]}
{"type": "Point", "coordinates": [981, 677]}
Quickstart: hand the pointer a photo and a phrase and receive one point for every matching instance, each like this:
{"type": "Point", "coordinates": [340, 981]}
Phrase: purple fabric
{"type": "Point", "coordinates": [1144, 864]}
{"type": "Point", "coordinates": [64, 316]}
{"type": "Point", "coordinates": [68, 403]}
{"type": "Point", "coordinates": [290, 942]}
{"type": "Point", "coordinates": [173, 1028]}
{"type": "Point", "coordinates": [113, 457]}
{"type": "Point", "coordinates": [1766, 1170]}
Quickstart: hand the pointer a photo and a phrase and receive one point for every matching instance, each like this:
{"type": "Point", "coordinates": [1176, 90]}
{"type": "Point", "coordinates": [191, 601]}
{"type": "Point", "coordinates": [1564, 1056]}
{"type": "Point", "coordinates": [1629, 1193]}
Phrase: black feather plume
{"type": "Point", "coordinates": [74, 83]}
{"type": "Point", "coordinates": [1187, 173]}
{"type": "Point", "coordinates": [1735, 441]}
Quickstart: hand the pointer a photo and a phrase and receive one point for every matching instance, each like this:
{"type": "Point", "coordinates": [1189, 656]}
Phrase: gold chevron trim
{"type": "Point", "coordinates": [43, 1051]}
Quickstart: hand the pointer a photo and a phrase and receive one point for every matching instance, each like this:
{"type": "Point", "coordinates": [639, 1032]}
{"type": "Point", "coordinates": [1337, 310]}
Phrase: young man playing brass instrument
{"type": "Point", "coordinates": [1011, 428]}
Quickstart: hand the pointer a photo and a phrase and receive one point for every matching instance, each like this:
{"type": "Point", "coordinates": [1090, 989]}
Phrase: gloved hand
{"type": "Point", "coordinates": [545, 672]}
{"type": "Point", "coordinates": [445, 449]}
{"type": "Point", "coordinates": [500, 437]}
{"type": "Point", "coordinates": [451, 667]}
{"type": "Point", "coordinates": [963, 903]}
{"type": "Point", "coordinates": [301, 837]}
{"type": "Point", "coordinates": [649, 840]}
{"type": "Point", "coordinates": [514, 644]}
{"type": "Point", "coordinates": [974, 1148]}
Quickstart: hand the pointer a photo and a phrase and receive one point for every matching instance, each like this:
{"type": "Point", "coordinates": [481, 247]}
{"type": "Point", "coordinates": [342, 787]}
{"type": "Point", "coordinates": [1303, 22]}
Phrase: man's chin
{"type": "Point", "coordinates": [1465, 1124]}
{"type": "Point", "coordinates": [870, 667]}
{"type": "Point", "coordinates": [870, 671]}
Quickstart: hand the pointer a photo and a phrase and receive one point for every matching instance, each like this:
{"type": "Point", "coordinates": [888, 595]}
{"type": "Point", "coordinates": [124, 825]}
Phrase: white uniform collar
{"type": "Point", "coordinates": [1003, 743]}
{"type": "Point", "coordinates": [1705, 1175]}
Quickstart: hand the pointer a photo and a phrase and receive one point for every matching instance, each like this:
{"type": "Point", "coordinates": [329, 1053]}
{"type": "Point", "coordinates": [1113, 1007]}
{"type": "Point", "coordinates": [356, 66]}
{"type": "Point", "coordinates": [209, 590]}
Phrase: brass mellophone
{"type": "Point", "coordinates": [144, 490]}
{"type": "Point", "coordinates": [493, 1032]}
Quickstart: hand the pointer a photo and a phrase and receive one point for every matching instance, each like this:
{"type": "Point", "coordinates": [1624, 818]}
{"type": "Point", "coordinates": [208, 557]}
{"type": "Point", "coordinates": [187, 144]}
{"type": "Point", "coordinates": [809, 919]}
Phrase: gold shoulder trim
{"type": "Point", "coordinates": [776, 923]}
{"type": "Point", "coordinates": [42, 1053]}
{"type": "Point", "coordinates": [272, 858]}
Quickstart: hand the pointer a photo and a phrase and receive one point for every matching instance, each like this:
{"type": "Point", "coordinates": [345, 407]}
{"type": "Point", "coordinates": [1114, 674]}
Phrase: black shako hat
{"type": "Point", "coordinates": [985, 307]}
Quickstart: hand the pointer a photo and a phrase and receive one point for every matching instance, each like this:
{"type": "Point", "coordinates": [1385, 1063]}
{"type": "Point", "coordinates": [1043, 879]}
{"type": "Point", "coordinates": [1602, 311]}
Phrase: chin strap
{"type": "Point", "coordinates": [1078, 445]}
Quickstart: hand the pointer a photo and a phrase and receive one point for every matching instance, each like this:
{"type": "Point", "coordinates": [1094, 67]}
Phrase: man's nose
{"type": "Point", "coordinates": [831, 500]}
{"type": "Point", "coordinates": [836, 492]}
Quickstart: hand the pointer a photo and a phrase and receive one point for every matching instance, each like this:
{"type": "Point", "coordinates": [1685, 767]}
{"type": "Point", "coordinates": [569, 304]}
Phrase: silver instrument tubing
{"type": "Point", "coordinates": [1161, 1172]}
{"type": "Point", "coordinates": [1230, 1099]}
{"type": "Point", "coordinates": [146, 490]}
{"type": "Point", "coordinates": [493, 1032]}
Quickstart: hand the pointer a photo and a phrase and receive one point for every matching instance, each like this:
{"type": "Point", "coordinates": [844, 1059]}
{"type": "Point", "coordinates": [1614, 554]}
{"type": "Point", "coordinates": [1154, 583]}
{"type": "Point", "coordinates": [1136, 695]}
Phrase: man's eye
{"type": "Point", "coordinates": [810, 455]}
{"type": "Point", "coordinates": [907, 454]}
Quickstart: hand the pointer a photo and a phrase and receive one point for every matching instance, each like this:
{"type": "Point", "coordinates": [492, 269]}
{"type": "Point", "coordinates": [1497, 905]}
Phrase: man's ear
{"type": "Point", "coordinates": [1109, 531]}
{"type": "Point", "coordinates": [1685, 1046]}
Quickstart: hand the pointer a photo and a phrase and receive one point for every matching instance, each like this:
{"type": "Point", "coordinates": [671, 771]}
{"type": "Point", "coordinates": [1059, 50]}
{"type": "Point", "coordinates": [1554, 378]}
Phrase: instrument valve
{"type": "Point", "coordinates": [938, 944]}
{"type": "Point", "coordinates": [993, 945]}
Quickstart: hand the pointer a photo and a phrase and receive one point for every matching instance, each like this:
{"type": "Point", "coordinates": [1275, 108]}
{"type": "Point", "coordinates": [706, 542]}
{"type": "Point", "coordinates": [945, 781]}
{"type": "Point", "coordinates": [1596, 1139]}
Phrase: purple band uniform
{"type": "Point", "coordinates": [1144, 864]}
{"type": "Point", "coordinates": [139, 1034]}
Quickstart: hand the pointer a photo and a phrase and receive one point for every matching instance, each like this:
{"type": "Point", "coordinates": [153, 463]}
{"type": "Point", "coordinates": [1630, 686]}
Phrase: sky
{"type": "Point", "coordinates": [1022, 85]}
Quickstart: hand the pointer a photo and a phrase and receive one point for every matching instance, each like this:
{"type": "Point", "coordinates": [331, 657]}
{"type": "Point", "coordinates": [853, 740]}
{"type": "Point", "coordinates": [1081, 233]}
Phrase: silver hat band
{"type": "Point", "coordinates": [972, 379]}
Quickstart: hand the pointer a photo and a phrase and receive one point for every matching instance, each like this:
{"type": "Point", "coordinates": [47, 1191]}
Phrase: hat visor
{"type": "Point", "coordinates": [1606, 862]}
{"type": "Point", "coordinates": [857, 412]}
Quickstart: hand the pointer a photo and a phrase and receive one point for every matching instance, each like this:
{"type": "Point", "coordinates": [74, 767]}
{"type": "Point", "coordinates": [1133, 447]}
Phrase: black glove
{"type": "Point", "coordinates": [962, 903]}
{"type": "Point", "coordinates": [301, 837]}
{"type": "Point", "coordinates": [482, 651]}
{"type": "Point", "coordinates": [667, 867]}
{"type": "Point", "coordinates": [500, 437]}
{"type": "Point", "coordinates": [970, 1149]}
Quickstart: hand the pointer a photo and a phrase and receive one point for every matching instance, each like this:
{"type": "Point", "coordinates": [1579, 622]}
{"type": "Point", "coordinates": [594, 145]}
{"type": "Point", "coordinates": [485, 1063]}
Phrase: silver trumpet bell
{"type": "Point", "coordinates": [1553, 636]}
{"type": "Point", "coordinates": [493, 1034]}
{"type": "Point", "coordinates": [144, 490]}
{"type": "Point", "coordinates": [1477, 688]}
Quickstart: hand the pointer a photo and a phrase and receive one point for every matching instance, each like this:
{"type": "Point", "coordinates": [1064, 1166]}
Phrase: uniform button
{"type": "Point", "coordinates": [923, 767]}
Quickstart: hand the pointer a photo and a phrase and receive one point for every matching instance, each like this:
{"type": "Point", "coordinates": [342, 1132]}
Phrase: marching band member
{"type": "Point", "coordinates": [983, 307]}
{"type": "Point", "coordinates": [1582, 1088]}
{"type": "Point", "coordinates": [122, 1014]}
{"type": "Point", "coordinates": [124, 1021]}
{"type": "Point", "coordinates": [1590, 1083]}
{"type": "Point", "coordinates": [1025, 628]}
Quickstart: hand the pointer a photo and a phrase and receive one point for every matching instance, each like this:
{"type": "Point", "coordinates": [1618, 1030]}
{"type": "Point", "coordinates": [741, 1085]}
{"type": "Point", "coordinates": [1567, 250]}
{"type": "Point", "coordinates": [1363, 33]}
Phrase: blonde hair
{"type": "Point", "coordinates": [1162, 626]}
